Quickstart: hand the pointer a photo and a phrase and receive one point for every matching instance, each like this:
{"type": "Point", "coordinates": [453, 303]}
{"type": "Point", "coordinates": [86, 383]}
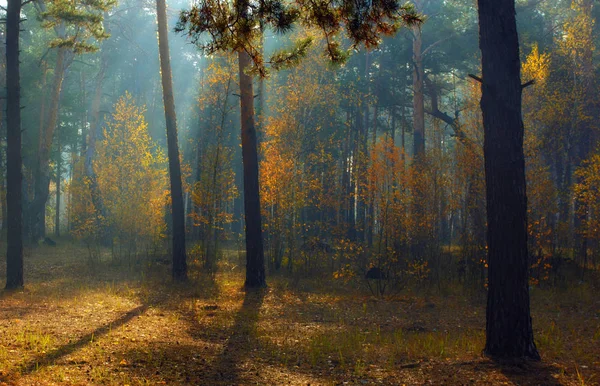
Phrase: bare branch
{"type": "Point", "coordinates": [433, 45]}
{"type": "Point", "coordinates": [527, 84]}
{"type": "Point", "coordinates": [476, 78]}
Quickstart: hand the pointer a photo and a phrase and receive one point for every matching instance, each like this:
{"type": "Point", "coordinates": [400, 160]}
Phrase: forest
{"type": "Point", "coordinates": [299, 192]}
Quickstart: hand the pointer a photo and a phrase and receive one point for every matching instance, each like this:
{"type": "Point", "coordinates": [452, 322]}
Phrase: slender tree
{"type": "Point", "coordinates": [58, 180]}
{"type": "Point", "coordinates": [509, 332]}
{"type": "Point", "coordinates": [14, 256]}
{"type": "Point", "coordinates": [178, 216]}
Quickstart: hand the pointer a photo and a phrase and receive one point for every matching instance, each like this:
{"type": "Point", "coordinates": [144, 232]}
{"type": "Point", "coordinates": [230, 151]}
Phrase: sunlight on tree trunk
{"type": "Point", "coordinates": [179, 271]}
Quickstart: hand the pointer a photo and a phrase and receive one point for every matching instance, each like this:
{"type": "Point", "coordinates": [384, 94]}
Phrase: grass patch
{"type": "Point", "coordinates": [75, 326]}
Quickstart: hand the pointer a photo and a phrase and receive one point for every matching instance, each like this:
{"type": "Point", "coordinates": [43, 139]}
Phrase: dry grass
{"type": "Point", "coordinates": [113, 326]}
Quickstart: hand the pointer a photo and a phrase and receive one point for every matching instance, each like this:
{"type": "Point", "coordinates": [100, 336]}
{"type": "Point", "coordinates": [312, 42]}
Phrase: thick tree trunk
{"type": "Point", "coordinates": [509, 332]}
{"type": "Point", "coordinates": [419, 96]}
{"type": "Point", "coordinates": [255, 260]}
{"type": "Point", "coordinates": [14, 255]}
{"type": "Point", "coordinates": [178, 216]}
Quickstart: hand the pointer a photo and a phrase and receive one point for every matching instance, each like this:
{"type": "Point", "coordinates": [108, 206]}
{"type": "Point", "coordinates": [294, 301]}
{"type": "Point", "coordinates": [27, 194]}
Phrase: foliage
{"type": "Point", "coordinates": [587, 193]}
{"type": "Point", "coordinates": [215, 186]}
{"type": "Point", "coordinates": [132, 179]}
{"type": "Point", "coordinates": [222, 26]}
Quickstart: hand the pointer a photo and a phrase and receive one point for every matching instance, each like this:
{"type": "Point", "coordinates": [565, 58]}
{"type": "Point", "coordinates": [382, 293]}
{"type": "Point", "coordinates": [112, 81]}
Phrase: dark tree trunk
{"type": "Point", "coordinates": [509, 332]}
{"type": "Point", "coordinates": [255, 260]}
{"type": "Point", "coordinates": [179, 256]}
{"type": "Point", "coordinates": [3, 176]}
{"type": "Point", "coordinates": [419, 95]}
{"type": "Point", "coordinates": [14, 255]}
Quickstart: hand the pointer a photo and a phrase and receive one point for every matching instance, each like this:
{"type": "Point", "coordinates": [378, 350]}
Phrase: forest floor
{"type": "Point", "coordinates": [75, 325]}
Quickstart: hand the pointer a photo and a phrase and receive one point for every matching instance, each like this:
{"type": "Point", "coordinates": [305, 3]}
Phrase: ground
{"type": "Point", "coordinates": [74, 324]}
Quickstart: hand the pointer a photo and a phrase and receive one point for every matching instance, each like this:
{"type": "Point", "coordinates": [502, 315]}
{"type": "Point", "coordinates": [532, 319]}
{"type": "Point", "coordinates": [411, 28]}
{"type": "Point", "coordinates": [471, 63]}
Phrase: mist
{"type": "Point", "coordinates": [268, 192]}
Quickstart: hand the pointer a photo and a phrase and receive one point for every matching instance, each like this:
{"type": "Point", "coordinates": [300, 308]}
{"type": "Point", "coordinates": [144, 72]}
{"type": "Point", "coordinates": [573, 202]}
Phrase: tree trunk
{"type": "Point", "coordinates": [42, 178]}
{"type": "Point", "coordinates": [3, 175]}
{"type": "Point", "coordinates": [418, 98]}
{"type": "Point", "coordinates": [14, 255]}
{"type": "Point", "coordinates": [58, 175]}
{"type": "Point", "coordinates": [84, 114]}
{"type": "Point", "coordinates": [91, 142]}
{"type": "Point", "coordinates": [509, 332]}
{"type": "Point", "coordinates": [255, 260]}
{"type": "Point", "coordinates": [178, 216]}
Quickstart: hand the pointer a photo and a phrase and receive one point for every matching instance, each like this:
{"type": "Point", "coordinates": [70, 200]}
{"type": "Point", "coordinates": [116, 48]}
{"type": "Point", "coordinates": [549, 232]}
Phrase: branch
{"type": "Point", "coordinates": [43, 57]}
{"type": "Point", "coordinates": [452, 122]}
{"type": "Point", "coordinates": [527, 84]}
{"type": "Point", "coordinates": [426, 51]}
{"type": "Point", "coordinates": [82, 62]}
{"type": "Point", "coordinates": [476, 78]}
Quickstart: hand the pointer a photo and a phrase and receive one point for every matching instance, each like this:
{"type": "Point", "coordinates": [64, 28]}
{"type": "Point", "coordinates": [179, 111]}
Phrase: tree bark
{"type": "Point", "coordinates": [255, 259]}
{"type": "Point", "coordinates": [179, 271]}
{"type": "Point", "coordinates": [14, 255]}
{"type": "Point", "coordinates": [509, 332]}
{"type": "Point", "coordinates": [419, 96]}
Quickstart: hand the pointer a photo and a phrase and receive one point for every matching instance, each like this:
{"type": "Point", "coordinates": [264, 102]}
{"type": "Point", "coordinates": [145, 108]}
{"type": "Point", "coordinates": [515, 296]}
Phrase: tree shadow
{"type": "Point", "coordinates": [242, 339]}
{"type": "Point", "coordinates": [51, 357]}
{"type": "Point", "coordinates": [517, 372]}
{"type": "Point", "coordinates": [529, 373]}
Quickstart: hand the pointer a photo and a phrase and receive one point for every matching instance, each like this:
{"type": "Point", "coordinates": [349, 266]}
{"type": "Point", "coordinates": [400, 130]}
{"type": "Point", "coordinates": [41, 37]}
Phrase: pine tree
{"type": "Point", "coordinates": [509, 333]}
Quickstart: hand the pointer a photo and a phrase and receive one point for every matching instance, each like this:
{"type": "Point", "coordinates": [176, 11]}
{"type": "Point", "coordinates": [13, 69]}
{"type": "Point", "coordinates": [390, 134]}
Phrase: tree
{"type": "Point", "coordinates": [215, 186]}
{"type": "Point", "coordinates": [237, 26]}
{"type": "Point", "coordinates": [179, 269]}
{"type": "Point", "coordinates": [76, 25]}
{"type": "Point", "coordinates": [131, 176]}
{"type": "Point", "coordinates": [14, 255]}
{"type": "Point", "coordinates": [255, 259]}
{"type": "Point", "coordinates": [509, 332]}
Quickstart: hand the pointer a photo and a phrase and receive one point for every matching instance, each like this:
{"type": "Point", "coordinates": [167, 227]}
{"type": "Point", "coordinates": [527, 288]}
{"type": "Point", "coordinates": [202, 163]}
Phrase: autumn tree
{"type": "Point", "coordinates": [587, 194]}
{"type": "Point", "coordinates": [298, 184]}
{"type": "Point", "coordinates": [236, 27]}
{"type": "Point", "coordinates": [132, 179]}
{"type": "Point", "coordinates": [214, 186]}
{"type": "Point", "coordinates": [509, 333]}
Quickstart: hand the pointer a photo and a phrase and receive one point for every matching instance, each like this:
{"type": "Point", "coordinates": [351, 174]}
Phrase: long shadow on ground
{"type": "Point", "coordinates": [242, 340]}
{"type": "Point", "coordinates": [51, 357]}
